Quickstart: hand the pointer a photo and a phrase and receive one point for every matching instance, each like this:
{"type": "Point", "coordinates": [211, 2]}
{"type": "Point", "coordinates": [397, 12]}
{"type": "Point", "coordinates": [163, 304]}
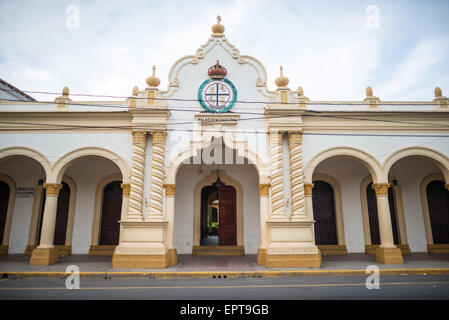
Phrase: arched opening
{"type": "Point", "coordinates": [95, 221]}
{"type": "Point", "coordinates": [336, 175]}
{"type": "Point", "coordinates": [438, 203]}
{"type": "Point", "coordinates": [238, 229]}
{"type": "Point", "coordinates": [27, 169]}
{"type": "Point", "coordinates": [324, 213]}
{"type": "Point", "coordinates": [110, 214]}
{"type": "Point", "coordinates": [415, 168]}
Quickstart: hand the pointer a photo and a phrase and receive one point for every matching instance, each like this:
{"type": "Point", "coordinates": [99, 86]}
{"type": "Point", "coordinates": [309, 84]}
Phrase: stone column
{"type": "Point", "coordinates": [157, 174]}
{"type": "Point", "coordinates": [277, 176]}
{"type": "Point", "coordinates": [264, 212]}
{"type": "Point", "coordinates": [137, 176]}
{"type": "Point", "coordinates": [125, 200]}
{"type": "Point", "coordinates": [387, 252]}
{"type": "Point", "coordinates": [170, 215]}
{"type": "Point", "coordinates": [296, 175]}
{"type": "Point", "coordinates": [46, 253]}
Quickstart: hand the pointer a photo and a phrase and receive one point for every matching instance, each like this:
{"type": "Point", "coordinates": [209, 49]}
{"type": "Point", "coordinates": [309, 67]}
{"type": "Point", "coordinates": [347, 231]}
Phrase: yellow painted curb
{"type": "Point", "coordinates": [217, 274]}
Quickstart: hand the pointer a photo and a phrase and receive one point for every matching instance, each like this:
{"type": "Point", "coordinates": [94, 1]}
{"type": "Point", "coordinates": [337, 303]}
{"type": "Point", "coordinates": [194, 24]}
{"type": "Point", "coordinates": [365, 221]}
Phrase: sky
{"type": "Point", "coordinates": [333, 49]}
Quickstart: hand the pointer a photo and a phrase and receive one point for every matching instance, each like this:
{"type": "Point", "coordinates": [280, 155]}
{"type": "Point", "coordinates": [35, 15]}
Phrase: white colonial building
{"type": "Point", "coordinates": [220, 164]}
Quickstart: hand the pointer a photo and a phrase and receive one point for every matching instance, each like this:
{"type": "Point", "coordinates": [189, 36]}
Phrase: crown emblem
{"type": "Point", "coordinates": [217, 71]}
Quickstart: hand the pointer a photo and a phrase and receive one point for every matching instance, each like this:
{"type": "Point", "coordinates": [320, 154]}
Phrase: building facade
{"type": "Point", "coordinates": [220, 164]}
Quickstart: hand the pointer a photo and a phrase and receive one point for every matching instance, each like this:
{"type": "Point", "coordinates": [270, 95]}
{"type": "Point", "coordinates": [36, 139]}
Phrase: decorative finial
{"type": "Point", "coordinates": [135, 90]}
{"type": "Point", "coordinates": [153, 81]}
{"type": "Point", "coordinates": [65, 91]}
{"type": "Point", "coordinates": [438, 92]}
{"type": "Point", "coordinates": [369, 92]}
{"type": "Point", "coordinates": [282, 81]}
{"type": "Point", "coordinates": [218, 28]}
{"type": "Point", "coordinates": [300, 91]}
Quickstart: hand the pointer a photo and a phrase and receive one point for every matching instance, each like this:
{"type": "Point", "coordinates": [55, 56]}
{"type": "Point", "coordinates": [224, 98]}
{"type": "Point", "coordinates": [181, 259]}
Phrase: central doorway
{"type": "Point", "coordinates": [218, 215]}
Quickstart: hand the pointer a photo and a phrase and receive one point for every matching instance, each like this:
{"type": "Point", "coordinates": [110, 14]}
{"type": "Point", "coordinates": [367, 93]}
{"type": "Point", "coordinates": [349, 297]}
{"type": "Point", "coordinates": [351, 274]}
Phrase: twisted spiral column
{"type": "Point", "coordinates": [296, 175]}
{"type": "Point", "coordinates": [277, 174]}
{"type": "Point", "coordinates": [157, 174]}
{"type": "Point", "coordinates": [137, 176]}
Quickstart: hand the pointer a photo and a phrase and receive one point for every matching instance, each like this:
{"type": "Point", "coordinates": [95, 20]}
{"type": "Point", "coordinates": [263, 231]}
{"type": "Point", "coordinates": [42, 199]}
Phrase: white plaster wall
{"type": "Point", "coordinates": [191, 76]}
{"type": "Point", "coordinates": [379, 147]}
{"type": "Point", "coordinates": [55, 145]}
{"type": "Point", "coordinates": [349, 173]}
{"type": "Point", "coordinates": [26, 173]}
{"type": "Point", "coordinates": [410, 172]}
{"type": "Point", "coordinates": [186, 180]}
{"type": "Point", "coordinates": [87, 173]}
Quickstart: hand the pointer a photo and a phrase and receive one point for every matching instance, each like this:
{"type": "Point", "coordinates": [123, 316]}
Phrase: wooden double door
{"type": "Point", "coordinates": [438, 202]}
{"type": "Point", "coordinates": [227, 214]}
{"type": "Point", "coordinates": [324, 214]}
{"type": "Point", "coordinates": [4, 203]}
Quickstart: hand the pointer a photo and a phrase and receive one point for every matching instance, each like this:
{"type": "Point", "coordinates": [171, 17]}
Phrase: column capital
{"type": "Point", "coordinates": [52, 189]}
{"type": "Point", "coordinates": [139, 136]}
{"type": "Point", "coordinates": [170, 189]}
{"type": "Point", "coordinates": [381, 189]}
{"type": "Point", "coordinates": [294, 137]}
{"type": "Point", "coordinates": [159, 136]}
{"type": "Point", "coordinates": [264, 189]}
{"type": "Point", "coordinates": [275, 136]}
{"type": "Point", "coordinates": [126, 189]}
{"type": "Point", "coordinates": [308, 188]}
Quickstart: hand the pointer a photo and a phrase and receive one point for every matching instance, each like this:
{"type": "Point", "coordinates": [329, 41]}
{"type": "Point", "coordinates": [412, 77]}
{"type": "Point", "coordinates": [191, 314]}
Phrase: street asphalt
{"type": "Point", "coordinates": [399, 287]}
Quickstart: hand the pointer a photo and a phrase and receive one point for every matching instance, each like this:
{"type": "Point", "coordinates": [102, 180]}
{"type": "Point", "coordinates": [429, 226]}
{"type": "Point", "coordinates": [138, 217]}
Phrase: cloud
{"type": "Point", "coordinates": [417, 71]}
{"type": "Point", "coordinates": [325, 47]}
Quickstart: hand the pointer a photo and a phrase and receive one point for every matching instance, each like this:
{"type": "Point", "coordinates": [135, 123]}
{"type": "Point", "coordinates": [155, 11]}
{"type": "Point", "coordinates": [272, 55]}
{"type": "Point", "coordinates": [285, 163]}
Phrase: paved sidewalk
{"type": "Point", "coordinates": [231, 266]}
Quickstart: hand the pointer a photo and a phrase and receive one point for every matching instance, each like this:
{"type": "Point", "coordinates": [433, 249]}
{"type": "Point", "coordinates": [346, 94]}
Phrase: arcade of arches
{"type": "Point", "coordinates": [342, 193]}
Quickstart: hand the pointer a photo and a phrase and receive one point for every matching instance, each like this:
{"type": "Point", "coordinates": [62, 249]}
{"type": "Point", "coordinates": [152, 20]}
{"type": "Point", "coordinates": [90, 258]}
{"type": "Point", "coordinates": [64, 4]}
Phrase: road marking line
{"type": "Point", "coordinates": [235, 287]}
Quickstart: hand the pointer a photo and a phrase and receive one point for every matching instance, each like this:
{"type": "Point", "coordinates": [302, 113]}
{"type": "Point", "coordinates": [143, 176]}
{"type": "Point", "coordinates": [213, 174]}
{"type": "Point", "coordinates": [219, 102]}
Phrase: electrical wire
{"type": "Point", "coordinates": [183, 109]}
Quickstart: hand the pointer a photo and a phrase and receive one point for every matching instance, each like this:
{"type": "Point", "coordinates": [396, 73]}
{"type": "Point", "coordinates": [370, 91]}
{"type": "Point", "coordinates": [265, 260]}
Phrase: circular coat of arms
{"type": "Point", "coordinates": [217, 94]}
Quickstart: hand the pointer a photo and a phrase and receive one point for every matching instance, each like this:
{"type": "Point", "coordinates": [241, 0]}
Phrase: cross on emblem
{"type": "Point", "coordinates": [216, 94]}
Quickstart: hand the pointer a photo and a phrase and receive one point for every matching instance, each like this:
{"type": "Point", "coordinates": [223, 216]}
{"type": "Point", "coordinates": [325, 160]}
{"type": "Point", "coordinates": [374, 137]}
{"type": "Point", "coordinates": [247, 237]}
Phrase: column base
{"type": "Point", "coordinates": [293, 260]}
{"type": "Point", "coordinates": [29, 249]}
{"type": "Point", "coordinates": [172, 257]}
{"type": "Point", "coordinates": [3, 250]}
{"type": "Point", "coordinates": [44, 256]}
{"type": "Point", "coordinates": [389, 255]}
{"type": "Point", "coordinates": [261, 254]}
{"type": "Point", "coordinates": [371, 248]}
{"type": "Point", "coordinates": [140, 261]}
